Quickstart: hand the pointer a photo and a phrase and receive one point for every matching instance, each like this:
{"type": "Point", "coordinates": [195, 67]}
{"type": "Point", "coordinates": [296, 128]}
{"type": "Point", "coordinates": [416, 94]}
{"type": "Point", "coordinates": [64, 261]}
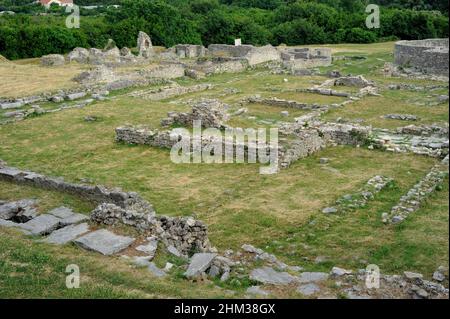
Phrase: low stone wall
{"type": "Point", "coordinates": [116, 206]}
{"type": "Point", "coordinates": [282, 103]}
{"type": "Point", "coordinates": [304, 144]}
{"type": "Point", "coordinates": [220, 65]}
{"type": "Point", "coordinates": [96, 194]}
{"type": "Point", "coordinates": [170, 91]}
{"type": "Point", "coordinates": [303, 58]}
{"type": "Point", "coordinates": [428, 56]}
{"type": "Point", "coordinates": [190, 51]}
{"type": "Point", "coordinates": [345, 134]}
{"type": "Point", "coordinates": [186, 234]}
{"type": "Point", "coordinates": [412, 201]}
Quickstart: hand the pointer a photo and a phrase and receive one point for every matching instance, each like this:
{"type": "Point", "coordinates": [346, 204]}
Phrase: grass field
{"type": "Point", "coordinates": [238, 205]}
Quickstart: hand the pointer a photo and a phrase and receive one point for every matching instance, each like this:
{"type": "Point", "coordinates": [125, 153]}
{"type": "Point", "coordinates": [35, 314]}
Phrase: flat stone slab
{"type": "Point", "coordinates": [268, 275]}
{"type": "Point", "coordinates": [8, 223]}
{"type": "Point", "coordinates": [105, 242]}
{"type": "Point", "coordinates": [256, 290]}
{"type": "Point", "coordinates": [308, 277]}
{"type": "Point", "coordinates": [68, 216]}
{"type": "Point", "coordinates": [150, 247]}
{"type": "Point", "coordinates": [200, 262]}
{"type": "Point", "coordinates": [157, 272]}
{"type": "Point", "coordinates": [67, 234]}
{"type": "Point", "coordinates": [22, 210]}
{"type": "Point", "coordinates": [41, 225]}
{"type": "Point", "coordinates": [61, 212]}
{"type": "Point", "coordinates": [308, 289]}
{"type": "Point", "coordinates": [10, 172]}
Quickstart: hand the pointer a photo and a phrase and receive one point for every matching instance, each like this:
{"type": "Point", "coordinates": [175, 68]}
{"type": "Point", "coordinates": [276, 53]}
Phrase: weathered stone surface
{"type": "Point", "coordinates": [19, 211]}
{"type": "Point", "coordinates": [200, 262]}
{"type": "Point", "coordinates": [256, 290]}
{"type": "Point", "coordinates": [329, 210]}
{"type": "Point", "coordinates": [308, 277]}
{"type": "Point", "coordinates": [75, 96]}
{"type": "Point", "coordinates": [53, 60]}
{"type": "Point", "coordinates": [338, 272]}
{"type": "Point", "coordinates": [104, 242]}
{"type": "Point", "coordinates": [428, 56]}
{"type": "Point", "coordinates": [157, 272]}
{"type": "Point", "coordinates": [251, 249]}
{"type": "Point", "coordinates": [42, 224]}
{"type": "Point", "coordinates": [8, 223]}
{"type": "Point", "coordinates": [67, 234]}
{"type": "Point", "coordinates": [80, 55]}
{"type": "Point", "coordinates": [67, 216]}
{"type": "Point", "coordinates": [402, 117]}
{"type": "Point", "coordinates": [308, 289]}
{"type": "Point", "coordinates": [150, 247]}
{"type": "Point", "coordinates": [142, 261]}
{"type": "Point", "coordinates": [144, 45]}
{"type": "Point", "coordinates": [268, 275]}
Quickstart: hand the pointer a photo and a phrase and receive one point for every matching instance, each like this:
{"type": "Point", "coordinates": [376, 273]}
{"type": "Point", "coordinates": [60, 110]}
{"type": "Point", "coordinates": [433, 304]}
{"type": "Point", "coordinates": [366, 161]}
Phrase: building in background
{"type": "Point", "coordinates": [63, 3]}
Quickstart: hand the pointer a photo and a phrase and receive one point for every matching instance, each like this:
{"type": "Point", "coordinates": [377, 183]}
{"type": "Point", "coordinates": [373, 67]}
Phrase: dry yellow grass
{"type": "Point", "coordinates": [28, 77]}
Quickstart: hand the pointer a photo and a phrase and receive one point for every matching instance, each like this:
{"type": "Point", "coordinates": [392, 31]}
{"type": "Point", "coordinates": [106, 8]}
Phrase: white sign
{"type": "Point", "coordinates": [237, 42]}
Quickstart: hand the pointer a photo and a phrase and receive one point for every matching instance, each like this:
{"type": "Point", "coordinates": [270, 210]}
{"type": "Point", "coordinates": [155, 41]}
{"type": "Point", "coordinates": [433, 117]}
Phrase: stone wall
{"type": "Point", "coordinates": [304, 143]}
{"type": "Point", "coordinates": [282, 103]}
{"type": "Point", "coordinates": [211, 113]}
{"type": "Point", "coordinates": [220, 65]}
{"type": "Point", "coordinates": [170, 91]}
{"type": "Point", "coordinates": [116, 206]}
{"type": "Point", "coordinates": [428, 56]}
{"type": "Point", "coordinates": [252, 55]}
{"type": "Point", "coordinates": [190, 51]}
{"type": "Point", "coordinates": [303, 58]}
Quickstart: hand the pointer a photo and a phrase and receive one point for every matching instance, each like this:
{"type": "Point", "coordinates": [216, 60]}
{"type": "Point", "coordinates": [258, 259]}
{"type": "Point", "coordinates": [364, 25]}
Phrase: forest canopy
{"type": "Point", "coordinates": [34, 30]}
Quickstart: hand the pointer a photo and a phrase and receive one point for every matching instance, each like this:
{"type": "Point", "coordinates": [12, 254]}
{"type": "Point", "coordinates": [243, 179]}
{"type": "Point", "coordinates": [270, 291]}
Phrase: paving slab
{"type": "Point", "coordinates": [67, 234]}
{"type": "Point", "coordinates": [308, 277]}
{"type": "Point", "coordinates": [268, 275]}
{"type": "Point", "coordinates": [105, 242]}
{"type": "Point", "coordinates": [68, 216]}
{"type": "Point", "coordinates": [41, 225]}
{"type": "Point", "coordinates": [308, 289]}
{"type": "Point", "coordinates": [200, 262]}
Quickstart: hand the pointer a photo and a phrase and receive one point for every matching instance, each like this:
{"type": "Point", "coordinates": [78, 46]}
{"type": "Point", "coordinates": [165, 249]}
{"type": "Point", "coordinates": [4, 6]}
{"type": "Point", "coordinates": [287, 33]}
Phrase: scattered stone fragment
{"type": "Point", "coordinates": [200, 262]}
{"type": "Point", "coordinates": [250, 249]}
{"type": "Point", "coordinates": [338, 272]}
{"type": "Point", "coordinates": [412, 275]}
{"type": "Point", "coordinates": [171, 249]}
{"type": "Point", "coordinates": [104, 242]}
{"type": "Point", "coordinates": [329, 210]}
{"type": "Point", "coordinates": [307, 277]}
{"type": "Point", "coordinates": [67, 234]}
{"type": "Point", "coordinates": [402, 117]}
{"type": "Point", "coordinates": [168, 267]}
{"type": "Point", "coordinates": [149, 248]}
{"type": "Point", "coordinates": [141, 261]}
{"type": "Point", "coordinates": [308, 289]}
{"type": "Point", "coordinates": [157, 272]}
{"type": "Point", "coordinates": [324, 160]}
{"type": "Point", "coordinates": [268, 275]}
{"type": "Point", "coordinates": [256, 290]}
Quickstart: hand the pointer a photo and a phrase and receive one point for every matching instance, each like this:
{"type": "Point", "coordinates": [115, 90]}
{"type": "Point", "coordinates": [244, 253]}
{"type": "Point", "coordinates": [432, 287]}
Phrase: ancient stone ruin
{"type": "Point", "coordinates": [428, 56]}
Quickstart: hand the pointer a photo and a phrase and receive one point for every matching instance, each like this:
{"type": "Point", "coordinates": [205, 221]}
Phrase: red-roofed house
{"type": "Point", "coordinates": [63, 3]}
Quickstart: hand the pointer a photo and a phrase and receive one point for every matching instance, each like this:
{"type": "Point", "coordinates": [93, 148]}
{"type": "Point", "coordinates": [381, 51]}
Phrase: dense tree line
{"type": "Point", "coordinates": [258, 22]}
